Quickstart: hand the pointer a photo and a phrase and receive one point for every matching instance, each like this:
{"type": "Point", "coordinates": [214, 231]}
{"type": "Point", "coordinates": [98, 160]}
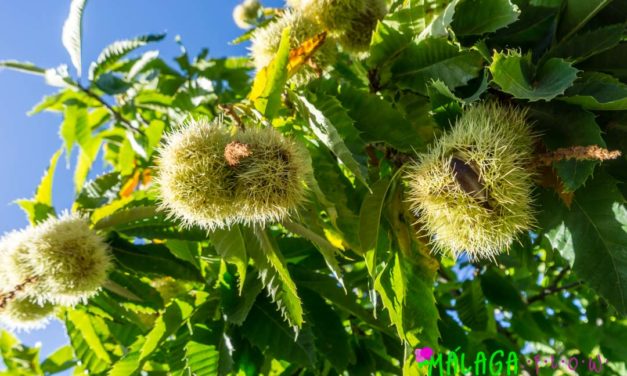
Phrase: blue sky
{"type": "Point", "coordinates": [31, 31]}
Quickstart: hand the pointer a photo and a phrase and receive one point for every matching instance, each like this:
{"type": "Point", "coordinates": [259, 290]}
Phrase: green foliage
{"type": "Point", "coordinates": [348, 284]}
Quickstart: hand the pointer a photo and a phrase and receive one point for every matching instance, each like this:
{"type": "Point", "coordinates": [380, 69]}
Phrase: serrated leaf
{"type": "Point", "coordinates": [499, 290]}
{"type": "Point", "coordinates": [73, 32]}
{"type": "Point", "coordinates": [386, 44]}
{"type": "Point", "coordinates": [370, 112]}
{"type": "Point", "coordinates": [476, 17]}
{"type": "Point", "coordinates": [269, 82]}
{"type": "Point", "coordinates": [99, 191]}
{"type": "Point", "coordinates": [516, 75]}
{"type": "Point", "coordinates": [189, 251]}
{"type": "Point", "coordinates": [413, 16]}
{"type": "Point", "coordinates": [153, 259]}
{"type": "Point", "coordinates": [111, 83]}
{"type": "Point", "coordinates": [237, 308]}
{"type": "Point", "coordinates": [370, 221]}
{"type": "Point", "coordinates": [598, 91]}
{"type": "Point", "coordinates": [435, 58]}
{"type": "Point", "coordinates": [407, 295]}
{"type": "Point", "coordinates": [596, 225]}
{"type": "Point", "coordinates": [144, 220]}
{"type": "Point", "coordinates": [610, 61]}
{"type": "Point", "coordinates": [85, 160]}
{"type": "Point", "coordinates": [321, 123]}
{"type": "Point", "coordinates": [439, 26]}
{"type": "Point", "coordinates": [229, 243]}
{"type": "Point", "coordinates": [331, 339]}
{"type": "Point", "coordinates": [142, 63]}
{"type": "Point", "coordinates": [274, 274]}
{"type": "Point", "coordinates": [472, 308]}
{"type": "Point", "coordinates": [59, 361]}
{"type": "Point", "coordinates": [174, 317]}
{"type": "Point", "coordinates": [87, 346]}
{"type": "Point", "coordinates": [346, 300]}
{"type": "Point", "coordinates": [577, 14]}
{"type": "Point", "coordinates": [265, 329]}
{"type": "Point", "coordinates": [584, 45]}
{"type": "Point", "coordinates": [206, 350]}
{"type": "Point", "coordinates": [117, 50]}
{"type": "Point", "coordinates": [327, 249]}
{"type": "Point", "coordinates": [74, 125]}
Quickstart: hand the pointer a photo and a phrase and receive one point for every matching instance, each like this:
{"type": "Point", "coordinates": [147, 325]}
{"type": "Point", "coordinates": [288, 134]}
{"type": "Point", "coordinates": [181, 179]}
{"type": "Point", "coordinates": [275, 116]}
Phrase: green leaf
{"type": "Point", "coordinates": [206, 351]}
{"type": "Point", "coordinates": [386, 44]}
{"type": "Point", "coordinates": [598, 91]}
{"type": "Point", "coordinates": [144, 220]}
{"type": "Point", "coordinates": [22, 66]}
{"type": "Point", "coordinates": [439, 26]}
{"type": "Point", "coordinates": [610, 61]}
{"type": "Point", "coordinates": [269, 82]}
{"type": "Point", "coordinates": [325, 130]}
{"type": "Point", "coordinates": [74, 124]}
{"type": "Point", "coordinates": [583, 46]}
{"type": "Point", "coordinates": [129, 364]}
{"type": "Point", "coordinates": [40, 207]}
{"type": "Point", "coordinates": [99, 191]}
{"type": "Point", "coordinates": [413, 16]}
{"type": "Point", "coordinates": [274, 274]}
{"type": "Point", "coordinates": [153, 259]}
{"type": "Point", "coordinates": [370, 113]}
{"type": "Point", "coordinates": [18, 358]}
{"type": "Point", "coordinates": [577, 14]}
{"type": "Point", "coordinates": [111, 83]}
{"type": "Point", "coordinates": [265, 329]}
{"type": "Point", "coordinates": [407, 294]}
{"type": "Point", "coordinates": [87, 346]}
{"type": "Point", "coordinates": [476, 17]}
{"type": "Point", "coordinates": [370, 221]}
{"type": "Point", "coordinates": [435, 58]}
{"type": "Point", "coordinates": [118, 49]}
{"type": "Point", "coordinates": [328, 288]}
{"type": "Point", "coordinates": [237, 307]}
{"type": "Point", "coordinates": [472, 308]}
{"type": "Point", "coordinates": [73, 32]}
{"type": "Point", "coordinates": [86, 159]}
{"type": "Point", "coordinates": [331, 339]}
{"type": "Point", "coordinates": [174, 317]}
{"type": "Point", "coordinates": [596, 229]}
{"type": "Point", "coordinates": [229, 243]}
{"type": "Point", "coordinates": [59, 361]}
{"type": "Point", "coordinates": [189, 251]}
{"type": "Point", "coordinates": [516, 75]}
{"type": "Point", "coordinates": [499, 290]}
{"type": "Point", "coordinates": [327, 249]}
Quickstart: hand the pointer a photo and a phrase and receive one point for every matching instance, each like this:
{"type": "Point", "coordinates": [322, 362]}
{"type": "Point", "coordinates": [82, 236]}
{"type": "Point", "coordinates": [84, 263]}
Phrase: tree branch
{"type": "Point", "coordinates": [553, 290]}
{"type": "Point", "coordinates": [6, 297]}
{"type": "Point", "coordinates": [116, 115]}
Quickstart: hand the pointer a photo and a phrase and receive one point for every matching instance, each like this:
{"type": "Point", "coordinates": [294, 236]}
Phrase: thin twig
{"type": "Point", "coordinates": [6, 297]}
{"type": "Point", "coordinates": [116, 115]}
{"type": "Point", "coordinates": [229, 110]}
{"type": "Point", "coordinates": [553, 290]}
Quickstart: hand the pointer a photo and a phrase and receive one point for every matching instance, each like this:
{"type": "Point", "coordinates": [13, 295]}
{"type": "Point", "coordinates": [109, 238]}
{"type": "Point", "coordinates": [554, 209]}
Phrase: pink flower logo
{"type": "Point", "coordinates": [423, 354]}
